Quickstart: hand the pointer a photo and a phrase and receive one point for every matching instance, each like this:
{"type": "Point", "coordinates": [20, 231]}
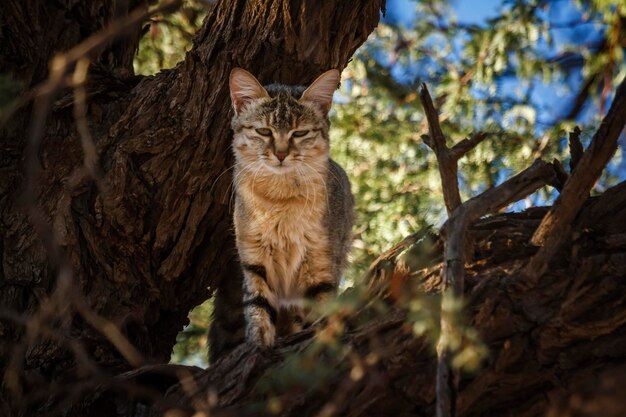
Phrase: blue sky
{"type": "Point", "coordinates": [553, 100]}
{"type": "Point", "coordinates": [467, 11]}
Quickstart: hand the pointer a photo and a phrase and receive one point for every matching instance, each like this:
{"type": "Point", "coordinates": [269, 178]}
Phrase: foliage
{"type": "Point", "coordinates": [168, 37]}
{"type": "Point", "coordinates": [505, 77]}
{"type": "Point", "coordinates": [191, 343]}
{"type": "Point", "coordinates": [526, 75]}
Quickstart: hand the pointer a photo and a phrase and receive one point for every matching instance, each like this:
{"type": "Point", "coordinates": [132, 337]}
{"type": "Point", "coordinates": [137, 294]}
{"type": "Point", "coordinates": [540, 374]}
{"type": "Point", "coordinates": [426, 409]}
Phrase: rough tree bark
{"type": "Point", "coordinates": [155, 239]}
{"type": "Point", "coordinates": [558, 349]}
{"type": "Point", "coordinates": [145, 247]}
{"type": "Point", "coordinates": [555, 334]}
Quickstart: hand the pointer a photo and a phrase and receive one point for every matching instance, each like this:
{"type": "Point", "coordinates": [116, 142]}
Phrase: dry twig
{"type": "Point", "coordinates": [455, 229]}
{"type": "Point", "coordinates": [560, 175]}
{"type": "Point", "coordinates": [514, 189]}
{"type": "Point", "coordinates": [556, 225]}
{"type": "Point", "coordinates": [59, 66]}
{"type": "Point", "coordinates": [437, 142]}
{"type": "Point", "coordinates": [90, 158]}
{"type": "Point", "coordinates": [446, 157]}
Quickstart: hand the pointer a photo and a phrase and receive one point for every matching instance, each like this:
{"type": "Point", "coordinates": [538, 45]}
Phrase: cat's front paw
{"type": "Point", "coordinates": [261, 335]}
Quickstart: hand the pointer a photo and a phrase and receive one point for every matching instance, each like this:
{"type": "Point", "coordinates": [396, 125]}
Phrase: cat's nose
{"type": "Point", "coordinates": [281, 155]}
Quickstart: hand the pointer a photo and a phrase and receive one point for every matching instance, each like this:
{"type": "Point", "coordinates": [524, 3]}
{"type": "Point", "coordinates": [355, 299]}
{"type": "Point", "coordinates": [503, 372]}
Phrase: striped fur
{"type": "Point", "coordinates": [293, 206]}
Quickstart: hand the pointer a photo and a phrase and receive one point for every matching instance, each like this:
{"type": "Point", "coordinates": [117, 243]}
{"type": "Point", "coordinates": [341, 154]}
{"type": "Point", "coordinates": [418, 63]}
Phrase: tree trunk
{"type": "Point", "coordinates": [556, 349]}
{"type": "Point", "coordinates": [152, 238]}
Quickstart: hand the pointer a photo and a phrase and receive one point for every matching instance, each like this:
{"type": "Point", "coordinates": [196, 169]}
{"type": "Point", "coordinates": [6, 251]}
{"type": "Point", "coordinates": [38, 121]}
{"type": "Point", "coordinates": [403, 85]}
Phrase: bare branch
{"type": "Point", "coordinates": [561, 175]}
{"type": "Point", "coordinates": [59, 303]}
{"type": "Point", "coordinates": [466, 145]}
{"type": "Point", "coordinates": [455, 229]}
{"type": "Point", "coordinates": [514, 189]}
{"type": "Point", "coordinates": [446, 384]}
{"type": "Point", "coordinates": [439, 140]}
{"type": "Point", "coordinates": [448, 169]}
{"type": "Point", "coordinates": [111, 332]}
{"type": "Point", "coordinates": [59, 65]}
{"type": "Point", "coordinates": [115, 29]}
{"type": "Point", "coordinates": [575, 148]}
{"type": "Point", "coordinates": [557, 222]}
{"type": "Point", "coordinates": [446, 157]}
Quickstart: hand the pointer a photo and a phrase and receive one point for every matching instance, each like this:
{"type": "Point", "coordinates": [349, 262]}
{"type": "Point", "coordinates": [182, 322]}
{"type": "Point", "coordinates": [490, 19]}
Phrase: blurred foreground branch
{"type": "Point", "coordinates": [455, 229]}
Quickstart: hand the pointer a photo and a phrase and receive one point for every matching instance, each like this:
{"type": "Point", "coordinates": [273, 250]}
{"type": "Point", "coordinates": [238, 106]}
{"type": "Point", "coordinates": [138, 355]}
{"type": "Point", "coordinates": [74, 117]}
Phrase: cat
{"type": "Point", "coordinates": [294, 210]}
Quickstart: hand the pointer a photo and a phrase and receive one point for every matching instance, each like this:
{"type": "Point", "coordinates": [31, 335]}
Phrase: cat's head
{"type": "Point", "coordinates": [280, 127]}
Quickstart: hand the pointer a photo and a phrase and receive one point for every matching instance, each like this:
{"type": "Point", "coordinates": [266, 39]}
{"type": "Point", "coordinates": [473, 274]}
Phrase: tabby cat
{"type": "Point", "coordinates": [293, 206]}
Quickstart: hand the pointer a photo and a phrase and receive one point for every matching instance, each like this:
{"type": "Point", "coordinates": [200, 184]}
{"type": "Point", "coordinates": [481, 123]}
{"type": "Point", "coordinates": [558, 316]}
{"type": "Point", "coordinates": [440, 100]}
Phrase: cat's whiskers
{"type": "Point", "coordinates": [240, 177]}
{"type": "Point", "coordinates": [314, 191]}
{"type": "Point", "coordinates": [321, 177]}
{"type": "Point", "coordinates": [307, 185]}
{"type": "Point", "coordinates": [217, 179]}
{"type": "Point", "coordinates": [237, 177]}
{"type": "Point", "coordinates": [324, 168]}
{"type": "Point", "coordinates": [231, 186]}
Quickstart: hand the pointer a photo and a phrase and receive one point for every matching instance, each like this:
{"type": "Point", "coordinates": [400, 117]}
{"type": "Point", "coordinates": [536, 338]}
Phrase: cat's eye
{"type": "Point", "coordinates": [299, 133]}
{"type": "Point", "coordinates": [264, 131]}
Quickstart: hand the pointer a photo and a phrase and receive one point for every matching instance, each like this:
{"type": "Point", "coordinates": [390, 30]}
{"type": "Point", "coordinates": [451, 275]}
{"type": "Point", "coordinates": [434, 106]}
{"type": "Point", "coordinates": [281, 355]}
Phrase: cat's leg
{"type": "Point", "coordinates": [259, 306]}
{"type": "Point", "coordinates": [319, 283]}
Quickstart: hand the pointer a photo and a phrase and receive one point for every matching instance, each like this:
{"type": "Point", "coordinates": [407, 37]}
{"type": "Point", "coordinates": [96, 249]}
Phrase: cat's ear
{"type": "Point", "coordinates": [244, 88]}
{"type": "Point", "coordinates": [322, 89]}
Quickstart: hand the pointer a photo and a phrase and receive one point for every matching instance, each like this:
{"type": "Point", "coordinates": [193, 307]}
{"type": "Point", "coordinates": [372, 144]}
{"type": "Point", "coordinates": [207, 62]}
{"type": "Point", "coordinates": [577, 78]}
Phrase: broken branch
{"type": "Point", "coordinates": [455, 229]}
{"type": "Point", "coordinates": [448, 169]}
{"type": "Point", "coordinates": [575, 148]}
{"type": "Point", "coordinates": [557, 222]}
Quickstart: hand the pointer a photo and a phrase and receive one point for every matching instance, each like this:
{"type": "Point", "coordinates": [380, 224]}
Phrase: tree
{"type": "Point", "coordinates": [554, 346]}
{"type": "Point", "coordinates": [143, 270]}
{"type": "Point", "coordinates": [136, 241]}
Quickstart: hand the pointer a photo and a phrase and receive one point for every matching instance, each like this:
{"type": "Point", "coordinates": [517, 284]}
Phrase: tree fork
{"type": "Point", "coordinates": [144, 251]}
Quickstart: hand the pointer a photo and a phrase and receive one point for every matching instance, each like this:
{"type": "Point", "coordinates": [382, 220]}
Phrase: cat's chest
{"type": "Point", "coordinates": [290, 223]}
{"type": "Point", "coordinates": [284, 236]}
{"type": "Point", "coordinates": [285, 230]}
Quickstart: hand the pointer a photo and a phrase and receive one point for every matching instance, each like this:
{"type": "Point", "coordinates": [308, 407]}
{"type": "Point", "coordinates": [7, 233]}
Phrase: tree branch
{"type": "Point", "coordinates": [448, 168]}
{"type": "Point", "coordinates": [461, 215]}
{"type": "Point", "coordinates": [45, 92]}
{"type": "Point", "coordinates": [446, 157]}
{"type": "Point", "coordinates": [531, 335]}
{"type": "Point", "coordinates": [576, 150]}
{"type": "Point", "coordinates": [161, 230]}
{"type": "Point", "coordinates": [455, 229]}
{"type": "Point", "coordinates": [557, 222]}
{"type": "Point", "coordinates": [466, 145]}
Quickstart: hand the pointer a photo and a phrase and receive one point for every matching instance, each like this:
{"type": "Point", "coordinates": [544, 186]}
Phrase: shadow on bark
{"type": "Point", "coordinates": [555, 349]}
